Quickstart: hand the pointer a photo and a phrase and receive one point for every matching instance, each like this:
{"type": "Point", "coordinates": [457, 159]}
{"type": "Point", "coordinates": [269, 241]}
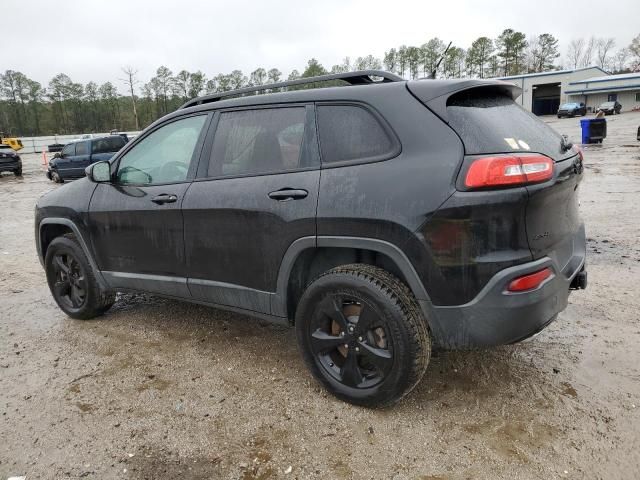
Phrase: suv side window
{"type": "Point", "coordinates": [164, 155]}
{"type": "Point", "coordinates": [108, 144]}
{"type": "Point", "coordinates": [68, 150]}
{"type": "Point", "coordinates": [351, 132]}
{"type": "Point", "coordinates": [82, 148]}
{"type": "Point", "coordinates": [251, 142]}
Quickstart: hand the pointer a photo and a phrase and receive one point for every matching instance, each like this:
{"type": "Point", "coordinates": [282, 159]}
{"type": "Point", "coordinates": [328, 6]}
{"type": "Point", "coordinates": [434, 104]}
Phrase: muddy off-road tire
{"type": "Point", "coordinates": [363, 335]}
{"type": "Point", "coordinates": [72, 281]}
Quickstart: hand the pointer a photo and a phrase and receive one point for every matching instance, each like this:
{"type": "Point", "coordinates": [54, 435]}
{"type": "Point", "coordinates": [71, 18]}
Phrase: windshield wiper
{"type": "Point", "coordinates": [565, 143]}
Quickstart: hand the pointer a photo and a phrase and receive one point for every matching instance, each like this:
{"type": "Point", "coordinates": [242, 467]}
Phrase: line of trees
{"type": "Point", "coordinates": [27, 108]}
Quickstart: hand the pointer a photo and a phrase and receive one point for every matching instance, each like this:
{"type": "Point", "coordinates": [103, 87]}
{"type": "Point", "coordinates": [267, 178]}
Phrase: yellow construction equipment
{"type": "Point", "coordinates": [13, 142]}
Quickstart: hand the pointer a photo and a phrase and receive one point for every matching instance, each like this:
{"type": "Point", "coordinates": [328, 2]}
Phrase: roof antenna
{"type": "Point", "coordinates": [432, 76]}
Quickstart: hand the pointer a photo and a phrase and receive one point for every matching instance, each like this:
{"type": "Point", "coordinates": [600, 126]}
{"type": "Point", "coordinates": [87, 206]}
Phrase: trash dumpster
{"type": "Point", "coordinates": [594, 130]}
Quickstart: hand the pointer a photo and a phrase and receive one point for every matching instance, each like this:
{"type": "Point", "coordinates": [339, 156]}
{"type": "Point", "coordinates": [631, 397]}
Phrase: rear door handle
{"type": "Point", "coordinates": [164, 198]}
{"type": "Point", "coordinates": [288, 194]}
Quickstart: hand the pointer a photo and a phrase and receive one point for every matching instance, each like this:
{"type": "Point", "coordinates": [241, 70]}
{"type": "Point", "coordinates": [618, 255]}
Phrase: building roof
{"type": "Point", "coordinates": [554, 72]}
{"type": "Point", "coordinates": [612, 88]}
{"type": "Point", "coordinates": [609, 78]}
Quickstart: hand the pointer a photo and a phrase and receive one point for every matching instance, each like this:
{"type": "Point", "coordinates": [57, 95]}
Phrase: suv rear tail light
{"type": "Point", "coordinates": [508, 170]}
{"type": "Point", "coordinates": [529, 281]}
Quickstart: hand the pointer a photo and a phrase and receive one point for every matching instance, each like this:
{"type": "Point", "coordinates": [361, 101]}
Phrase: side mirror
{"type": "Point", "coordinates": [57, 155]}
{"type": "Point", "coordinates": [99, 172]}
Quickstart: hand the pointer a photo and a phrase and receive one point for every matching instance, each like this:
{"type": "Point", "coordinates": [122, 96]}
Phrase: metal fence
{"type": "Point", "coordinates": [40, 144]}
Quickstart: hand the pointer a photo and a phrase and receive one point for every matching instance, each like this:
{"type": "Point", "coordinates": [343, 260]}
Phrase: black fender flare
{"type": "Point", "coordinates": [279, 300]}
{"type": "Point", "coordinates": [76, 231]}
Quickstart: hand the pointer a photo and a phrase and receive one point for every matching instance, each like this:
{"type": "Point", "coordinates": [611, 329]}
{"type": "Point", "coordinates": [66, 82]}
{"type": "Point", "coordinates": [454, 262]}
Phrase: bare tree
{"type": "Point", "coordinates": [604, 47]}
{"type": "Point", "coordinates": [589, 50]}
{"type": "Point", "coordinates": [574, 53]}
{"type": "Point", "coordinates": [634, 53]}
{"type": "Point", "coordinates": [131, 82]}
{"type": "Point", "coordinates": [620, 60]}
{"type": "Point", "coordinates": [530, 57]}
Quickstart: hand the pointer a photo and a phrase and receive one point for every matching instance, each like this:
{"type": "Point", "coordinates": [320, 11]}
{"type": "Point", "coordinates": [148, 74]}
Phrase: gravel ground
{"type": "Point", "coordinates": [164, 389]}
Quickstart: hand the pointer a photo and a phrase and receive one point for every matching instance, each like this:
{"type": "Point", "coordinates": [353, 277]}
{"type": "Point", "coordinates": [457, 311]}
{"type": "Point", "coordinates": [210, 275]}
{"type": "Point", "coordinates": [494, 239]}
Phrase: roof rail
{"type": "Point", "coordinates": [360, 77]}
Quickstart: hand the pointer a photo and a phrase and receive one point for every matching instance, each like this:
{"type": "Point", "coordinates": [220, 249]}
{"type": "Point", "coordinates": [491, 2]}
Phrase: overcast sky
{"type": "Point", "coordinates": [92, 40]}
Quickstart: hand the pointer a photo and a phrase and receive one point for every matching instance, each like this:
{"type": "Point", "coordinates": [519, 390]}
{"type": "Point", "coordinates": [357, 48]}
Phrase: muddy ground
{"type": "Point", "coordinates": [163, 389]}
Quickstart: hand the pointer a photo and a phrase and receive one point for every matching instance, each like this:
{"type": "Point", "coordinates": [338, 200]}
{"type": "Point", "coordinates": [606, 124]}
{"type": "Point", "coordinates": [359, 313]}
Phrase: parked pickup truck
{"type": "Point", "coordinates": [79, 154]}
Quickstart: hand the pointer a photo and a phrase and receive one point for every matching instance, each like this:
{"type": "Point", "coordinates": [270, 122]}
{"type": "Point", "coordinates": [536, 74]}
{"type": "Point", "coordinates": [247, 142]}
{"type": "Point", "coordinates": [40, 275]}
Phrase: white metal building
{"type": "Point", "coordinates": [542, 93]}
{"type": "Point", "coordinates": [625, 88]}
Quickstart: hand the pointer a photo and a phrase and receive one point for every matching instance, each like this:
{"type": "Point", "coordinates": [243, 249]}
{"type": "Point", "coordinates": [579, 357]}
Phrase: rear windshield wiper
{"type": "Point", "coordinates": [565, 143]}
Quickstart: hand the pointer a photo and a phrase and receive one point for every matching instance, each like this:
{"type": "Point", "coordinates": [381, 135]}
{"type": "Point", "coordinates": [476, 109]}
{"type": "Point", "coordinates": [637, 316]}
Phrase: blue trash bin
{"type": "Point", "coordinates": [585, 126]}
{"type": "Point", "coordinates": [594, 130]}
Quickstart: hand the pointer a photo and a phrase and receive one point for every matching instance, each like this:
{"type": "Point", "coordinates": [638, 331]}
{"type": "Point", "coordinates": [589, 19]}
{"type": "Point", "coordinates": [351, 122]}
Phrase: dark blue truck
{"type": "Point", "coordinates": [79, 154]}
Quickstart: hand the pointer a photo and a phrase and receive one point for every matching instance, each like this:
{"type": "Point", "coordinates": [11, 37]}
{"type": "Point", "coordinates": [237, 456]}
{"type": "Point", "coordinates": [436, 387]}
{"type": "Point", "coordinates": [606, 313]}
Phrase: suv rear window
{"type": "Point", "coordinates": [494, 123]}
{"type": "Point", "coordinates": [108, 144]}
{"type": "Point", "coordinates": [253, 142]}
{"type": "Point", "coordinates": [350, 132]}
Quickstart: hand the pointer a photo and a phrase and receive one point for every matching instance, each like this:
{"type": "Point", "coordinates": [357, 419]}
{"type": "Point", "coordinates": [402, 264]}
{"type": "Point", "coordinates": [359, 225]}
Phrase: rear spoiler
{"type": "Point", "coordinates": [435, 93]}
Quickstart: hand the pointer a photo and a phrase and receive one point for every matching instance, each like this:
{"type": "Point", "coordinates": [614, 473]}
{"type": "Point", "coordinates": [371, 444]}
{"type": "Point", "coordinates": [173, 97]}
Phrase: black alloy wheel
{"type": "Point", "coordinates": [70, 287]}
{"type": "Point", "coordinates": [350, 341]}
{"type": "Point", "coordinates": [362, 335]}
{"type": "Point", "coordinates": [72, 280]}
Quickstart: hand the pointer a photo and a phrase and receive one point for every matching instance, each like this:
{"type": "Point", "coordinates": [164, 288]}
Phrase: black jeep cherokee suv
{"type": "Point", "coordinates": [381, 218]}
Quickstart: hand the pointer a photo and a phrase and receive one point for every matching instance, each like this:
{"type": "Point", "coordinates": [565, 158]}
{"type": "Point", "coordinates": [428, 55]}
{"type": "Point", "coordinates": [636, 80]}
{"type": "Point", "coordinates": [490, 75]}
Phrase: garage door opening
{"type": "Point", "coordinates": [546, 98]}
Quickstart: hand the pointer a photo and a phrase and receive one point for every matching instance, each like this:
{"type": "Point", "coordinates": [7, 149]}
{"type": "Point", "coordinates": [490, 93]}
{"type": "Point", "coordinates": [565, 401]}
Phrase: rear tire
{"type": "Point", "coordinates": [72, 280]}
{"type": "Point", "coordinates": [362, 335]}
{"type": "Point", "coordinates": [18, 173]}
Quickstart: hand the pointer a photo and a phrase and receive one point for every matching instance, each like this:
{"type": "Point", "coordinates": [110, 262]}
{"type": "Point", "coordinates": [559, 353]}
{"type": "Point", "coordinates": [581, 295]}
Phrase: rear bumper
{"type": "Point", "coordinates": [497, 317]}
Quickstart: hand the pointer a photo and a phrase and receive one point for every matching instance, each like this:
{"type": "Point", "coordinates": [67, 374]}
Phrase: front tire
{"type": "Point", "coordinates": [18, 172]}
{"type": "Point", "coordinates": [362, 335]}
{"type": "Point", "coordinates": [72, 281]}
